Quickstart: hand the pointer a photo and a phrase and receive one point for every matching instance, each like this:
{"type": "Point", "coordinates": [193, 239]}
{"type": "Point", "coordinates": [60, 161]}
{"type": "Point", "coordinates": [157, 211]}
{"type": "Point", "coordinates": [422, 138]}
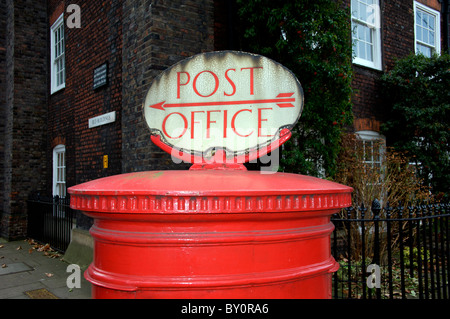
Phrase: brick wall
{"type": "Point", "coordinates": [3, 18]}
{"type": "Point", "coordinates": [398, 31]}
{"type": "Point", "coordinates": [25, 109]}
{"type": "Point", "coordinates": [434, 4]}
{"type": "Point", "coordinates": [6, 119]}
{"type": "Point", "coordinates": [98, 41]}
{"type": "Point", "coordinates": [156, 35]}
{"type": "Point", "coordinates": [397, 37]}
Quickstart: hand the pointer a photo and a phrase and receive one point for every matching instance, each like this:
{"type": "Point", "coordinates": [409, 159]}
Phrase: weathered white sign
{"type": "Point", "coordinates": [232, 101]}
{"type": "Point", "coordinates": [102, 119]}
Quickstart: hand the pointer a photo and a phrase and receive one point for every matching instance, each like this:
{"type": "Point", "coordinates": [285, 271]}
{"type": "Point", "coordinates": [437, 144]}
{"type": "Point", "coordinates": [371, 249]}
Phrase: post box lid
{"type": "Point", "coordinates": [216, 188]}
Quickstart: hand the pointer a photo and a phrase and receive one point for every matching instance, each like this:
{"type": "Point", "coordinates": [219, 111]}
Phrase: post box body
{"type": "Point", "coordinates": [211, 234]}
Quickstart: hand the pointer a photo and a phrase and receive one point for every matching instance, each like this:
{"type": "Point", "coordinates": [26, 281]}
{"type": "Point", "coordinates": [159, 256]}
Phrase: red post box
{"type": "Point", "coordinates": [211, 234]}
{"type": "Point", "coordinates": [216, 230]}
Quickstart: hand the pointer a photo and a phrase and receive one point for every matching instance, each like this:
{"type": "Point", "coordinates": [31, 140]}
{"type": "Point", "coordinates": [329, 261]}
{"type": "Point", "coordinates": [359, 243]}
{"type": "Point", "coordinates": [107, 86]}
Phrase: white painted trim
{"type": "Point", "coordinates": [53, 86]}
{"type": "Point", "coordinates": [376, 29]}
{"type": "Point", "coordinates": [437, 35]}
{"type": "Point", "coordinates": [369, 135]}
{"type": "Point", "coordinates": [57, 150]}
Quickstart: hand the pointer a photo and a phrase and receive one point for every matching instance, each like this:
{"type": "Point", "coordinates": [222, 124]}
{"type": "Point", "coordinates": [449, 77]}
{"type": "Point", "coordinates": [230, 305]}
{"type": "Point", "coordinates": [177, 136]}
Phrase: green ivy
{"type": "Point", "coordinates": [417, 100]}
{"type": "Point", "coordinates": [313, 39]}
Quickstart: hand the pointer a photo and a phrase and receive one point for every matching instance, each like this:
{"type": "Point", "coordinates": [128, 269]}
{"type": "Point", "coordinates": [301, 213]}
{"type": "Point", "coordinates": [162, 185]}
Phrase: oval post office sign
{"type": "Point", "coordinates": [223, 106]}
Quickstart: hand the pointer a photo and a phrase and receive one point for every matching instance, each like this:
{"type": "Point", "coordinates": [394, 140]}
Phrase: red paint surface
{"type": "Point", "coordinates": [211, 234]}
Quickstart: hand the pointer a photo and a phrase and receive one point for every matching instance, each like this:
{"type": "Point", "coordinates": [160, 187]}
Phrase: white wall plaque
{"type": "Point", "coordinates": [102, 119]}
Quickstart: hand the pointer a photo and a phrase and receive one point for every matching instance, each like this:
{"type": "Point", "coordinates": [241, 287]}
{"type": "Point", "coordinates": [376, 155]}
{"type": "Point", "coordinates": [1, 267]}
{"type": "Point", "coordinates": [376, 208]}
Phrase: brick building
{"type": "Point", "coordinates": [23, 118]}
{"type": "Point", "coordinates": [385, 32]}
{"type": "Point", "coordinates": [393, 34]}
{"type": "Point", "coordinates": [73, 75]}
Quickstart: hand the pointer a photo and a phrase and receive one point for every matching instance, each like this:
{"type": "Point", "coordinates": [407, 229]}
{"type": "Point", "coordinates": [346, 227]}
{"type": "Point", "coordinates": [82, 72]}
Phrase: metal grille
{"type": "Point", "coordinates": [407, 245]}
{"type": "Point", "coordinates": [50, 220]}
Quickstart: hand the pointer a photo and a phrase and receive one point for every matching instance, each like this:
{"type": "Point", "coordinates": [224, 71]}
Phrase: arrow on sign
{"type": "Point", "coordinates": [282, 100]}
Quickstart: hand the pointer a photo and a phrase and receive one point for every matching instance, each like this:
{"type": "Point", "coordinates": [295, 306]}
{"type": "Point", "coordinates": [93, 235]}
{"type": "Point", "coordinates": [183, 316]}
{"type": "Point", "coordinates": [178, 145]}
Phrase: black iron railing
{"type": "Point", "coordinates": [392, 252]}
{"type": "Point", "coordinates": [383, 252]}
{"type": "Point", "coordinates": [50, 220]}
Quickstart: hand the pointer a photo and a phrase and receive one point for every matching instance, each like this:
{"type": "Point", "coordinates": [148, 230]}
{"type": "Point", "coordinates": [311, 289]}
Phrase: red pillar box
{"type": "Point", "coordinates": [216, 230]}
{"type": "Point", "coordinates": [211, 234]}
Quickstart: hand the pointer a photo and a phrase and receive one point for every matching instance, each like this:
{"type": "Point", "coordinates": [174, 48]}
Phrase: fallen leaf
{"type": "Point", "coordinates": [30, 250]}
{"type": "Point", "coordinates": [4, 265]}
{"type": "Point", "coordinates": [19, 248]}
{"type": "Point", "coordinates": [44, 248]}
{"type": "Point", "coordinates": [1, 246]}
{"type": "Point", "coordinates": [48, 274]}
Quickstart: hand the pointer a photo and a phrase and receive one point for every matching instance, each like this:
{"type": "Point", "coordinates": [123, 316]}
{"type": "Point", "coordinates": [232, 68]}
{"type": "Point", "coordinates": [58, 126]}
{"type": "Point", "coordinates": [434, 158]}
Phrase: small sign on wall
{"type": "Point", "coordinates": [100, 76]}
{"type": "Point", "coordinates": [102, 119]}
{"type": "Point", "coordinates": [105, 161]}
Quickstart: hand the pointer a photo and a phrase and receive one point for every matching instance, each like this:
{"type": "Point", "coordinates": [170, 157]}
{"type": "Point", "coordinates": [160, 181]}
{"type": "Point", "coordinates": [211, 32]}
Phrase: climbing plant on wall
{"type": "Point", "coordinates": [313, 39]}
{"type": "Point", "coordinates": [418, 115]}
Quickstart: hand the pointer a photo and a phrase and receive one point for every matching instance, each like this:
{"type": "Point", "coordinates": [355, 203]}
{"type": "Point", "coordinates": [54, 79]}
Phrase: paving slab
{"type": "Point", "coordinates": [23, 269]}
{"type": "Point", "coordinates": [13, 268]}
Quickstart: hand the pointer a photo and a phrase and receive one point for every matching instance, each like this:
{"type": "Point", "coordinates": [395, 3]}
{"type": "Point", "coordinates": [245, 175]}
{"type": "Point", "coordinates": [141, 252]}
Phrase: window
{"type": "Point", "coordinates": [373, 148]}
{"type": "Point", "coordinates": [59, 171]}
{"type": "Point", "coordinates": [366, 35]}
{"type": "Point", "coordinates": [57, 52]}
{"type": "Point", "coordinates": [427, 30]}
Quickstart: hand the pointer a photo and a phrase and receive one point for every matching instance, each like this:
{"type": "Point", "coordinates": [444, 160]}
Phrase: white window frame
{"type": "Point", "coordinates": [59, 171]}
{"type": "Point", "coordinates": [437, 25]}
{"type": "Point", "coordinates": [370, 136]}
{"type": "Point", "coordinates": [373, 22]}
{"type": "Point", "coordinates": [57, 56]}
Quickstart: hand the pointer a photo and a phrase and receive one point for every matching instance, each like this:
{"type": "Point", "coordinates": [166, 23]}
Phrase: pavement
{"type": "Point", "coordinates": [32, 271]}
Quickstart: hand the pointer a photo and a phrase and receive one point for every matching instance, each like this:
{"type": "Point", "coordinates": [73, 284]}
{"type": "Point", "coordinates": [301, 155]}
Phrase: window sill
{"type": "Point", "coordinates": [369, 65]}
{"type": "Point", "coordinates": [54, 91]}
